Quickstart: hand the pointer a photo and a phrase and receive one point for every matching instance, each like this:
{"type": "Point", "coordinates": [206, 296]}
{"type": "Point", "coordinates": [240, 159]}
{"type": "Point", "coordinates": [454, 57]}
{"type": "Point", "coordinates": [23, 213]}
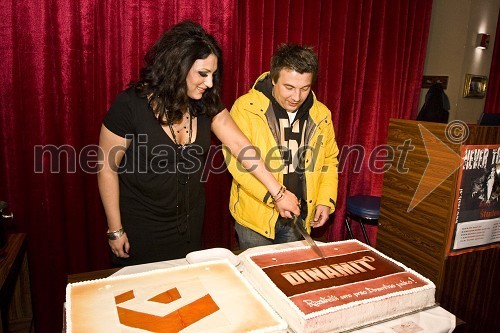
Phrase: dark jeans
{"type": "Point", "coordinates": [284, 233]}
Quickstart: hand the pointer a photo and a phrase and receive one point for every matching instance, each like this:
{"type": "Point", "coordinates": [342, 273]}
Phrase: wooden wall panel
{"type": "Point", "coordinates": [470, 290]}
{"type": "Point", "coordinates": [416, 236]}
{"type": "Point", "coordinates": [483, 135]}
{"type": "Point", "coordinates": [467, 283]}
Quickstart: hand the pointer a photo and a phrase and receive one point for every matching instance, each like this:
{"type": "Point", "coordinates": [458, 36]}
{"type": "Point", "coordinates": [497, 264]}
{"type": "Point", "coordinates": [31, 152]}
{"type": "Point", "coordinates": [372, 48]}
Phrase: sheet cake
{"type": "Point", "coordinates": [205, 297]}
{"type": "Point", "coordinates": [355, 285]}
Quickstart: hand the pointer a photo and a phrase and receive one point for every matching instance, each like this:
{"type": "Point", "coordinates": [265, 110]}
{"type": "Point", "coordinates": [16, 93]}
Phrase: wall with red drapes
{"type": "Point", "coordinates": [64, 61]}
{"type": "Point", "coordinates": [371, 57]}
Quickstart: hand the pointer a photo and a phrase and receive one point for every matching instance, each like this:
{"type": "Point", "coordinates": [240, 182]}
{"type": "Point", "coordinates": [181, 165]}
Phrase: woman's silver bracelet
{"type": "Point", "coordinates": [113, 235]}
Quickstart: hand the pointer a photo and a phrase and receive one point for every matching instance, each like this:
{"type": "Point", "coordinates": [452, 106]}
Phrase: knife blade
{"type": "Point", "coordinates": [298, 223]}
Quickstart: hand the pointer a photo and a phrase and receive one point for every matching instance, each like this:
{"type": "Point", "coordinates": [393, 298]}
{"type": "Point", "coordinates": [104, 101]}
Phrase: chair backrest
{"type": "Point", "coordinates": [489, 119]}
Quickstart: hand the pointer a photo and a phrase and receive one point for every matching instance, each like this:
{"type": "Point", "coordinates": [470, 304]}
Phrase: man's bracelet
{"type": "Point", "coordinates": [113, 235]}
{"type": "Point", "coordinates": [279, 198]}
{"type": "Point", "coordinates": [279, 195]}
{"type": "Point", "coordinates": [282, 189]}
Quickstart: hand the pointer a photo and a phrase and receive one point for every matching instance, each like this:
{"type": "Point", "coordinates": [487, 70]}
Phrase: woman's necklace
{"type": "Point", "coordinates": [189, 131]}
{"type": "Point", "coordinates": [182, 184]}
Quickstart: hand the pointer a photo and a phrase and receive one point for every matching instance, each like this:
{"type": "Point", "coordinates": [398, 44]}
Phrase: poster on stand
{"type": "Point", "coordinates": [476, 214]}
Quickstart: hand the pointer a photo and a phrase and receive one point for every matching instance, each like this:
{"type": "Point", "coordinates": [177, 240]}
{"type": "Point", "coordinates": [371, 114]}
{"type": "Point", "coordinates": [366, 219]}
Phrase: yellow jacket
{"type": "Point", "coordinates": [250, 202]}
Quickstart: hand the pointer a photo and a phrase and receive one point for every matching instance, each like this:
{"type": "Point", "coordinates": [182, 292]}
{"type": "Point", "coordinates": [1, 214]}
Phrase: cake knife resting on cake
{"type": "Point", "coordinates": [298, 223]}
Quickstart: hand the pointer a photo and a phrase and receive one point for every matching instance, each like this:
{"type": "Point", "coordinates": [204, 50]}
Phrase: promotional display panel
{"type": "Point", "coordinates": [476, 222]}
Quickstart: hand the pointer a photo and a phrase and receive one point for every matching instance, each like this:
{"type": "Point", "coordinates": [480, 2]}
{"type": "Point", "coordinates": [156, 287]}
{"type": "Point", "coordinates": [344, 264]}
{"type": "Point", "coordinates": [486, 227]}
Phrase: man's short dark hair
{"type": "Point", "coordinates": [301, 59]}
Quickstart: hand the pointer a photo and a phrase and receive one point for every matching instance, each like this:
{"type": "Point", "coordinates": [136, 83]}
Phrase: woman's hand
{"type": "Point", "coordinates": [112, 149]}
{"type": "Point", "coordinates": [287, 205]}
{"type": "Point", "coordinates": [120, 246]}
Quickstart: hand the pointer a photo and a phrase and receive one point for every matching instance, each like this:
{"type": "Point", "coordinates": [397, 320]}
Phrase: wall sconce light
{"type": "Point", "coordinates": [482, 41]}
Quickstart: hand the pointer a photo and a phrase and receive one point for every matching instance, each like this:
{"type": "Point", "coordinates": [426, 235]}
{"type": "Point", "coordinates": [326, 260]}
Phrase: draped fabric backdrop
{"type": "Point", "coordinates": [492, 103]}
{"type": "Point", "coordinates": [371, 58]}
{"type": "Point", "coordinates": [63, 63]}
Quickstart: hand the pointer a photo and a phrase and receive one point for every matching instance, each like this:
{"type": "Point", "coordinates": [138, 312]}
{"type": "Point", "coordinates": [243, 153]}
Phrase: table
{"type": "Point", "coordinates": [433, 320]}
{"type": "Point", "coordinates": [16, 314]}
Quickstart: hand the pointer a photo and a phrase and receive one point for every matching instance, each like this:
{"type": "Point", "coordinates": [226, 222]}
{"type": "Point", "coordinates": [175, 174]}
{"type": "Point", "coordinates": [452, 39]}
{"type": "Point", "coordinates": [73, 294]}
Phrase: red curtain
{"type": "Point", "coordinates": [492, 103]}
{"type": "Point", "coordinates": [371, 58]}
{"type": "Point", "coordinates": [63, 62]}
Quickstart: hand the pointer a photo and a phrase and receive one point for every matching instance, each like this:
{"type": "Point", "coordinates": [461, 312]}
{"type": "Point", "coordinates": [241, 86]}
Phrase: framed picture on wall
{"type": "Point", "coordinates": [475, 86]}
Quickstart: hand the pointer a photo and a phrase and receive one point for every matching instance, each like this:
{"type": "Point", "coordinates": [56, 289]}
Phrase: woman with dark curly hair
{"type": "Point", "coordinates": [153, 145]}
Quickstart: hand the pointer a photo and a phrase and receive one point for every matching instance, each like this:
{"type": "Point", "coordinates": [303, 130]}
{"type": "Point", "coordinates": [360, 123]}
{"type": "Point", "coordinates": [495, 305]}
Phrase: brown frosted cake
{"type": "Point", "coordinates": [205, 297]}
{"type": "Point", "coordinates": [354, 286]}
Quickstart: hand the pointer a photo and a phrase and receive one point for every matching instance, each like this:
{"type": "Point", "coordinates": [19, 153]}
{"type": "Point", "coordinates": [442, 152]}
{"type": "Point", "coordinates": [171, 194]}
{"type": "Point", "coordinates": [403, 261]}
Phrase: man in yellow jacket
{"type": "Point", "coordinates": [294, 134]}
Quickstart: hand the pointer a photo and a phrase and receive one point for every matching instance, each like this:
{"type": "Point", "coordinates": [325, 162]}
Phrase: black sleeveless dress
{"type": "Point", "coordinates": [162, 198]}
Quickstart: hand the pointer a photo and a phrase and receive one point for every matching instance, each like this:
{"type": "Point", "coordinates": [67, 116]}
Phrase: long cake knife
{"type": "Point", "coordinates": [298, 223]}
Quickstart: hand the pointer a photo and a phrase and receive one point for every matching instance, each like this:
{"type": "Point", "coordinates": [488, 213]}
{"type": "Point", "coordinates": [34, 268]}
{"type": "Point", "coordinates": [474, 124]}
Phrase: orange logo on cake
{"type": "Point", "coordinates": [174, 321]}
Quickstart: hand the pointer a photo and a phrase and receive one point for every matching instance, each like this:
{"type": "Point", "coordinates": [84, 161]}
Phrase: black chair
{"type": "Point", "coordinates": [489, 119]}
{"type": "Point", "coordinates": [364, 209]}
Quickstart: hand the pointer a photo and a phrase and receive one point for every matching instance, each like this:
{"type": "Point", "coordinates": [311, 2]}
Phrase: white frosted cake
{"type": "Point", "coordinates": [355, 286]}
{"type": "Point", "coordinates": [204, 297]}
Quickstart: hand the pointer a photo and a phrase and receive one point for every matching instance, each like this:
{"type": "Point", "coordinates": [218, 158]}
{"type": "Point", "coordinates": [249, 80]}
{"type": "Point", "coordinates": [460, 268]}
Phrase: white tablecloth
{"type": "Point", "coordinates": [433, 320]}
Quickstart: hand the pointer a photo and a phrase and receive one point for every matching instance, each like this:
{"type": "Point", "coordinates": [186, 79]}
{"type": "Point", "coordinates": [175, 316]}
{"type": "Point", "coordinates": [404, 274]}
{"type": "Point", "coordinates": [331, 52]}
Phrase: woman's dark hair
{"type": "Point", "coordinates": [167, 64]}
{"type": "Point", "coordinates": [301, 59]}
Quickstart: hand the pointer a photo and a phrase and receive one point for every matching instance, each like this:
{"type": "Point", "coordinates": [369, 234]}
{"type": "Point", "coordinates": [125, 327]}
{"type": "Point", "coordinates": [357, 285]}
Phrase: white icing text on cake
{"type": "Point", "coordinates": [327, 272]}
{"type": "Point", "coordinates": [361, 293]}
